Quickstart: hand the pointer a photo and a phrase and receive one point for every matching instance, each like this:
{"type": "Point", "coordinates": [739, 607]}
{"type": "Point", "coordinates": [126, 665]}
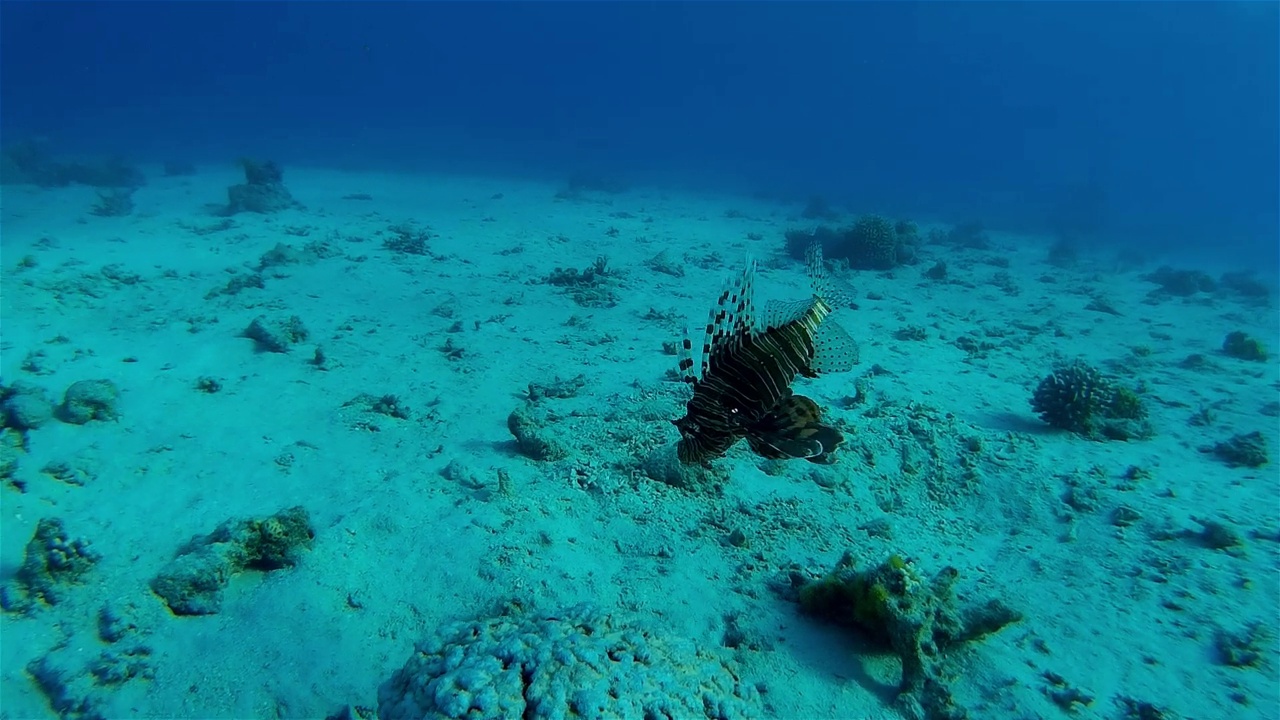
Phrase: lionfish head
{"type": "Point", "coordinates": [701, 437]}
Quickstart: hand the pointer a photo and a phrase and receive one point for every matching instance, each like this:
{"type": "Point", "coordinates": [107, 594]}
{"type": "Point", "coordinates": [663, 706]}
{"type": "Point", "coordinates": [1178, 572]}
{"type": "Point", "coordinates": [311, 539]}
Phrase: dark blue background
{"type": "Point", "coordinates": [1156, 120]}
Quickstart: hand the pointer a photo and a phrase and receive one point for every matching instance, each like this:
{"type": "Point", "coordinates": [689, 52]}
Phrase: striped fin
{"type": "Point", "coordinates": [687, 374]}
{"type": "Point", "coordinates": [755, 375]}
{"type": "Point", "coordinates": [822, 284]}
{"type": "Point", "coordinates": [779, 313]}
{"type": "Point", "coordinates": [745, 322]}
{"type": "Point", "coordinates": [834, 350]}
{"type": "Point", "coordinates": [742, 386]}
{"type": "Point", "coordinates": [732, 318]}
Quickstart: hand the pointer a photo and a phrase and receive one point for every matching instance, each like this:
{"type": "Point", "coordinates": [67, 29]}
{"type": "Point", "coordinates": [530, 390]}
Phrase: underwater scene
{"type": "Point", "coordinates": [667, 361]}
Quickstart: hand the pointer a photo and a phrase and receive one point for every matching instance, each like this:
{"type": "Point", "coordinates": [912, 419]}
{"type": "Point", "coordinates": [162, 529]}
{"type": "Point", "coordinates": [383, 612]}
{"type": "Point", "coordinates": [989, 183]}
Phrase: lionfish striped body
{"type": "Point", "coordinates": [743, 387]}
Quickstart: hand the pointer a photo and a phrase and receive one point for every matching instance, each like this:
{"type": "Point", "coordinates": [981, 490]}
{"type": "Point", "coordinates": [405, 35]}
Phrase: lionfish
{"type": "Point", "coordinates": [743, 386]}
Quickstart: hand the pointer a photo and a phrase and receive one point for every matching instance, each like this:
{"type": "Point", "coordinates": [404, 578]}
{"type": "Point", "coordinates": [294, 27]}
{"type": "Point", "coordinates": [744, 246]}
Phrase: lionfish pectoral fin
{"type": "Point", "coordinates": [834, 350]}
{"type": "Point", "coordinates": [781, 446]}
{"type": "Point", "coordinates": [830, 439]}
{"type": "Point", "coordinates": [794, 429]}
{"type": "Point", "coordinates": [778, 313]}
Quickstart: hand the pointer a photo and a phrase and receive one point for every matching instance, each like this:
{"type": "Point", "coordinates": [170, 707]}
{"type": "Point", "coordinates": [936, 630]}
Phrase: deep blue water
{"type": "Point", "coordinates": [1151, 123]}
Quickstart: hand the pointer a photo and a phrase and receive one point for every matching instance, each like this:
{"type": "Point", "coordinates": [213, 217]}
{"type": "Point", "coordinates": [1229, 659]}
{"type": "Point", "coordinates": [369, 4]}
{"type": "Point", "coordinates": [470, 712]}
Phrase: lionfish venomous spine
{"type": "Point", "coordinates": [742, 388]}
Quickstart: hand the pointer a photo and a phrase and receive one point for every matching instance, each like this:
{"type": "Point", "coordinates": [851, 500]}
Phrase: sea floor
{"type": "Point", "coordinates": [1145, 571]}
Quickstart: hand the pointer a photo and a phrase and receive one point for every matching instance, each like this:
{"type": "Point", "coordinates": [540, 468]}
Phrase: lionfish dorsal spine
{"type": "Point", "coordinates": [687, 374]}
{"type": "Point", "coordinates": [708, 337]}
{"type": "Point", "coordinates": [745, 311]}
{"type": "Point", "coordinates": [732, 318]}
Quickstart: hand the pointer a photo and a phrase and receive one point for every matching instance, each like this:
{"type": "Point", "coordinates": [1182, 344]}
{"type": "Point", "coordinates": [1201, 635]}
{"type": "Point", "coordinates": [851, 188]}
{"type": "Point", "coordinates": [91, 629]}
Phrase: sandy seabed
{"type": "Point", "coordinates": [1146, 571]}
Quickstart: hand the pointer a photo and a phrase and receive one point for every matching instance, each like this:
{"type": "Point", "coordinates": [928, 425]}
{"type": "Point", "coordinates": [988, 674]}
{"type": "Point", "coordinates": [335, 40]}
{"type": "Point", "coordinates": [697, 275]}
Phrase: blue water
{"type": "Point", "coordinates": [1094, 142]}
{"type": "Point", "coordinates": [1166, 115]}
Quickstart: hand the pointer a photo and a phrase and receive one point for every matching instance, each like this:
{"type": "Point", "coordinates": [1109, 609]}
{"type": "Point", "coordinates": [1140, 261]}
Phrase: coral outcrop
{"type": "Point", "coordinates": [871, 243]}
{"type": "Point", "coordinates": [1077, 397]}
{"type": "Point", "coordinates": [580, 663]}
{"type": "Point", "coordinates": [53, 562]}
{"type": "Point", "coordinates": [893, 605]}
{"type": "Point", "coordinates": [263, 190]}
{"type": "Point", "coordinates": [192, 583]}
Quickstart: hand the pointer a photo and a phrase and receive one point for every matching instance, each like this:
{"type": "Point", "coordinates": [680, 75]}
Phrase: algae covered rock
{"type": "Point", "coordinates": [531, 427]}
{"type": "Point", "coordinates": [1243, 450]}
{"type": "Point", "coordinates": [90, 400]}
{"type": "Point", "coordinates": [25, 406]}
{"type": "Point", "coordinates": [192, 583]}
{"type": "Point", "coordinates": [11, 450]}
{"type": "Point", "coordinates": [895, 606]}
{"type": "Point", "coordinates": [1241, 346]}
{"type": "Point", "coordinates": [53, 562]}
{"type": "Point", "coordinates": [276, 335]}
{"type": "Point", "coordinates": [874, 243]}
{"type": "Point", "coordinates": [263, 190]}
{"type": "Point", "coordinates": [577, 663]}
{"type": "Point", "coordinates": [663, 465]}
{"type": "Point", "coordinates": [1181, 283]}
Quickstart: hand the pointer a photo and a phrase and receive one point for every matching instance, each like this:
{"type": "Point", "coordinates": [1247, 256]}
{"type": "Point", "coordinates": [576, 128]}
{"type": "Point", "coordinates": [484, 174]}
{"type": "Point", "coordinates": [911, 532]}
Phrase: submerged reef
{"type": "Point", "coordinates": [33, 162]}
{"type": "Point", "coordinates": [1181, 283]}
{"type": "Point", "coordinates": [12, 448]}
{"type": "Point", "coordinates": [114, 202]}
{"type": "Point", "coordinates": [894, 606]}
{"type": "Point", "coordinates": [539, 426]}
{"type": "Point", "coordinates": [1240, 287]}
{"type": "Point", "coordinates": [577, 663]}
{"type": "Point", "coordinates": [25, 406]}
{"type": "Point", "coordinates": [1077, 397]}
{"type": "Point", "coordinates": [178, 168]}
{"type": "Point", "coordinates": [588, 185]}
{"type": "Point", "coordinates": [969, 235]}
{"type": "Point", "coordinates": [663, 465]}
{"type": "Point", "coordinates": [408, 239]}
{"type": "Point", "coordinates": [871, 243]}
{"type": "Point", "coordinates": [262, 192]}
{"type": "Point", "coordinates": [531, 426]}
